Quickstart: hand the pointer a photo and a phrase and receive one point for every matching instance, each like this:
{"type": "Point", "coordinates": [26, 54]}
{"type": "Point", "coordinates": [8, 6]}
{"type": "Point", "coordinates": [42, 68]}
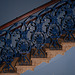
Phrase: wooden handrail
{"type": "Point", "coordinates": [28, 14]}
{"type": "Point", "coordinates": [33, 19]}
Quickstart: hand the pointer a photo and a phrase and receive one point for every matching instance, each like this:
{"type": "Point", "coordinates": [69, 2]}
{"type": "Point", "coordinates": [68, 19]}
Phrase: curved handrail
{"type": "Point", "coordinates": [28, 14]}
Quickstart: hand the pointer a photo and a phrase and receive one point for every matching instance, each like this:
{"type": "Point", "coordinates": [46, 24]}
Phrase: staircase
{"type": "Point", "coordinates": [37, 37]}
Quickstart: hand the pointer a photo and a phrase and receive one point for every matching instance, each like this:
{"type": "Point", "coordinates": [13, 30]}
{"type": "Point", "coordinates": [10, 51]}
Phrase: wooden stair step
{"type": "Point", "coordinates": [22, 69]}
{"type": "Point", "coordinates": [53, 53]}
{"type": "Point", "coordinates": [38, 61]}
{"type": "Point", "coordinates": [67, 45]}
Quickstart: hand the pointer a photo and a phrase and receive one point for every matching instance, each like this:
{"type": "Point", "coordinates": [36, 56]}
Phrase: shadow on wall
{"type": "Point", "coordinates": [59, 65]}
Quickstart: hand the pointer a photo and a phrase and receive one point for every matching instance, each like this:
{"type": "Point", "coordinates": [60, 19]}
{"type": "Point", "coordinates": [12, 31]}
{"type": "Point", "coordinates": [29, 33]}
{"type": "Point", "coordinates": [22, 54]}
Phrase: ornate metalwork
{"type": "Point", "coordinates": [7, 52]}
{"type": "Point", "coordinates": [49, 26]}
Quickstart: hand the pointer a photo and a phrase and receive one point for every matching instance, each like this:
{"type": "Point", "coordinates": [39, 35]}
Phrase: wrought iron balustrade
{"type": "Point", "coordinates": [29, 34]}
